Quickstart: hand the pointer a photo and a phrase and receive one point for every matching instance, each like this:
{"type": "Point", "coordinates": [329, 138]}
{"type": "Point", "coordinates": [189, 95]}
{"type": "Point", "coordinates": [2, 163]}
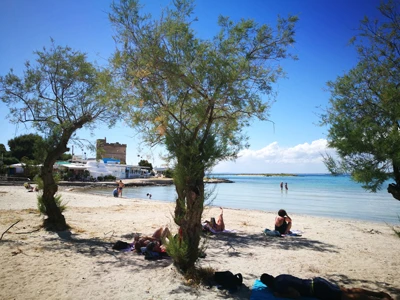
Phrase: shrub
{"type": "Point", "coordinates": [109, 178]}
{"type": "Point", "coordinates": [169, 173]}
{"type": "Point", "coordinates": [57, 198]}
{"type": "Point", "coordinates": [38, 180]}
{"type": "Point", "coordinates": [177, 249]}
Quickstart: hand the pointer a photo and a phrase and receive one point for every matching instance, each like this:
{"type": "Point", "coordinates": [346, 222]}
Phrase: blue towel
{"type": "Point", "coordinates": [260, 291]}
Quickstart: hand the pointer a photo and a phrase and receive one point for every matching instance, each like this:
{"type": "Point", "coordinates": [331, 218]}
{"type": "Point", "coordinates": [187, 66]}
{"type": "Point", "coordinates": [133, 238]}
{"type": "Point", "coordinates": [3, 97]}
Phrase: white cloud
{"type": "Point", "coordinates": [302, 158]}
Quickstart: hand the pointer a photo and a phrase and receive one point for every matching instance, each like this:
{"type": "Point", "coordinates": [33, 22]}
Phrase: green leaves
{"type": "Point", "coordinates": [364, 111]}
{"type": "Point", "coordinates": [183, 87]}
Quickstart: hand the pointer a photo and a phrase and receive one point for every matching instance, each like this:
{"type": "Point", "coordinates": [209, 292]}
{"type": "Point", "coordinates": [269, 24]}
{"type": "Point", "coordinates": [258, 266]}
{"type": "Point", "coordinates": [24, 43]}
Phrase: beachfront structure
{"type": "Point", "coordinates": [160, 172]}
{"type": "Point", "coordinates": [16, 169]}
{"type": "Point", "coordinates": [106, 150]}
{"type": "Point", "coordinates": [100, 168]}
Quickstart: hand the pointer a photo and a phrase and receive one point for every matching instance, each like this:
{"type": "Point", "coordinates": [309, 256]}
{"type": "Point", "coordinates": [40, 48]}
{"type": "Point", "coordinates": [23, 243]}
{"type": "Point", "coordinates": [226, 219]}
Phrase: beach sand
{"type": "Point", "coordinates": [80, 263]}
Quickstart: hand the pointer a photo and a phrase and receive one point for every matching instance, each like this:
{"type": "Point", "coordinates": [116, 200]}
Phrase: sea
{"type": "Point", "coordinates": [321, 195]}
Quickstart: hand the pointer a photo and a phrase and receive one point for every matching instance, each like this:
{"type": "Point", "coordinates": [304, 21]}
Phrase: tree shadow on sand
{"type": "Point", "coordinates": [343, 280]}
{"type": "Point", "coordinates": [101, 248]}
{"type": "Point", "coordinates": [231, 241]}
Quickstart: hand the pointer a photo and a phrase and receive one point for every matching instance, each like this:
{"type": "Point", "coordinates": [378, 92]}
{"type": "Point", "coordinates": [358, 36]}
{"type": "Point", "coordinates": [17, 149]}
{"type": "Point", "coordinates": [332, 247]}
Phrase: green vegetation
{"type": "Point", "coordinates": [196, 96]}
{"type": "Point", "coordinates": [58, 94]}
{"type": "Point", "coordinates": [169, 173]}
{"type": "Point", "coordinates": [57, 199]}
{"type": "Point", "coordinates": [145, 163]}
{"type": "Point", "coordinates": [364, 110]}
{"type": "Point", "coordinates": [27, 146]}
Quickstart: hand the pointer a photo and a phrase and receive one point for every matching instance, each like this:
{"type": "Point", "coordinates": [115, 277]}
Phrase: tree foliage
{"type": "Point", "coordinates": [196, 96]}
{"type": "Point", "coordinates": [145, 163]}
{"type": "Point", "coordinates": [364, 111]}
{"type": "Point", "coordinates": [59, 94]}
{"type": "Point", "coordinates": [27, 145]}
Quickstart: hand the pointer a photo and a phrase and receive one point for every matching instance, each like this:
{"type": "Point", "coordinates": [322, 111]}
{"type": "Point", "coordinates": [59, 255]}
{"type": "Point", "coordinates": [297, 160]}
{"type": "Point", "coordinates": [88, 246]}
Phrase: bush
{"type": "Point", "coordinates": [177, 249]}
{"type": "Point", "coordinates": [100, 178]}
{"type": "Point", "coordinates": [169, 173]}
{"type": "Point", "coordinates": [109, 178]}
{"type": "Point", "coordinates": [57, 198]}
{"type": "Point", "coordinates": [38, 180]}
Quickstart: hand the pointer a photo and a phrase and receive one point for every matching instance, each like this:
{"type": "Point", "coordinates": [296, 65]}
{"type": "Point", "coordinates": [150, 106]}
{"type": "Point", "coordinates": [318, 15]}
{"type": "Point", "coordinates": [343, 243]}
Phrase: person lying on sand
{"type": "Point", "coordinates": [288, 286]}
{"type": "Point", "coordinates": [30, 188]}
{"type": "Point", "coordinates": [160, 238]}
{"type": "Point", "coordinates": [217, 226]}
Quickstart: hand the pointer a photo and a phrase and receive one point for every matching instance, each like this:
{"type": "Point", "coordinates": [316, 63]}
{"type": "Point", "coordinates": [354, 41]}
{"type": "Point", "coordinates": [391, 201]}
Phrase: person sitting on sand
{"type": "Point", "coordinates": [217, 226]}
{"type": "Point", "coordinates": [283, 222]}
{"type": "Point", "coordinates": [160, 238]}
{"type": "Point", "coordinates": [288, 286]}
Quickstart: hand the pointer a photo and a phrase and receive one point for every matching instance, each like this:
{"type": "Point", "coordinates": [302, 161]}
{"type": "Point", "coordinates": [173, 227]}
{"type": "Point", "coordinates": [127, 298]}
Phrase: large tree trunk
{"type": "Point", "coordinates": [55, 219]}
{"type": "Point", "coordinates": [188, 212]}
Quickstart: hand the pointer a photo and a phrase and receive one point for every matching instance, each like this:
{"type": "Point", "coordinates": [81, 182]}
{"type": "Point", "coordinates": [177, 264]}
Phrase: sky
{"type": "Point", "coordinates": [292, 143]}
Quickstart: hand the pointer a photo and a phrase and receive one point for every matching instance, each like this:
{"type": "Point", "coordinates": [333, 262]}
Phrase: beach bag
{"type": "Point", "coordinates": [120, 245]}
{"type": "Point", "coordinates": [226, 280]}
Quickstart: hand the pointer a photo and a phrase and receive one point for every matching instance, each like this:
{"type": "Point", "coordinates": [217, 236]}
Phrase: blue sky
{"type": "Point", "coordinates": [294, 142]}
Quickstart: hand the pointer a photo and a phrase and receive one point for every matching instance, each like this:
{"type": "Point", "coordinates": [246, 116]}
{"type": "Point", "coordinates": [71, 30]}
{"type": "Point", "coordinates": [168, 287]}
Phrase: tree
{"type": "Point", "coordinates": [196, 96]}
{"type": "Point", "coordinates": [145, 163]}
{"type": "Point", "coordinates": [364, 110]}
{"type": "Point", "coordinates": [6, 158]}
{"type": "Point", "coordinates": [3, 149]}
{"type": "Point", "coordinates": [26, 145]}
{"type": "Point", "coordinates": [60, 94]}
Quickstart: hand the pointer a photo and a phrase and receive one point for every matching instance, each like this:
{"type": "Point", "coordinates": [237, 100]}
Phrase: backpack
{"type": "Point", "coordinates": [227, 280]}
{"type": "Point", "coordinates": [120, 245]}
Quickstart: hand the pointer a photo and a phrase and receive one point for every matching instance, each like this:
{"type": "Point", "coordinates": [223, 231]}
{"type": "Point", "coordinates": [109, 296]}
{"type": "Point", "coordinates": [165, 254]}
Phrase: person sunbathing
{"type": "Point", "coordinates": [160, 238]}
{"type": "Point", "coordinates": [283, 222]}
{"type": "Point", "coordinates": [30, 188]}
{"type": "Point", "coordinates": [216, 226]}
{"type": "Point", "coordinates": [288, 286]}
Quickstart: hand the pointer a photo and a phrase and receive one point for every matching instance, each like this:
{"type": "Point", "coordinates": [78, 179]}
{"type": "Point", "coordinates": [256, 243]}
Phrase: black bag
{"type": "Point", "coordinates": [120, 245]}
{"type": "Point", "coordinates": [227, 280]}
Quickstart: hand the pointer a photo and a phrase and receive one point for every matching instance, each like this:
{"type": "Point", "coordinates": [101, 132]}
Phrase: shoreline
{"type": "Point", "coordinates": [128, 182]}
{"type": "Point", "coordinates": [82, 265]}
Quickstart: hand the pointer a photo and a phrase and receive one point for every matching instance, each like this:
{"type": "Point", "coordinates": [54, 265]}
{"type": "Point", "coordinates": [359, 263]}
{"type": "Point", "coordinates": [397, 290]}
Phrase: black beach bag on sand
{"type": "Point", "coordinates": [226, 280]}
{"type": "Point", "coordinates": [120, 245]}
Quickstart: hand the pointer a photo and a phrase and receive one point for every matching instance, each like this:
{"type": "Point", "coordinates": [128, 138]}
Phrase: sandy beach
{"type": "Point", "coordinates": [80, 263]}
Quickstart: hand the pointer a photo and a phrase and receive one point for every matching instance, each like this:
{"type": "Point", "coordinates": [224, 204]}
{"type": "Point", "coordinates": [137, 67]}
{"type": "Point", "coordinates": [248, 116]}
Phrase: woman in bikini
{"type": "Point", "coordinates": [283, 222]}
{"type": "Point", "coordinates": [216, 226]}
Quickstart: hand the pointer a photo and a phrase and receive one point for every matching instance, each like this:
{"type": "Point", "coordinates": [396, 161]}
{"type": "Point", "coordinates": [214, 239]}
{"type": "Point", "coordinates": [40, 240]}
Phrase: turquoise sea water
{"type": "Point", "coordinates": [308, 194]}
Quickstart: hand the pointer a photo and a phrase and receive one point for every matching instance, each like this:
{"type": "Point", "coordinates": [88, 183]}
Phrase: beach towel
{"type": "Point", "coordinates": [260, 291]}
{"type": "Point", "coordinates": [208, 228]}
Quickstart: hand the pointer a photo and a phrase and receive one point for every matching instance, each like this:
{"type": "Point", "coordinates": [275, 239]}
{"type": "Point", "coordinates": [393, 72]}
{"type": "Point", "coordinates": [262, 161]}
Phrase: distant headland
{"type": "Point", "coordinates": [265, 174]}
